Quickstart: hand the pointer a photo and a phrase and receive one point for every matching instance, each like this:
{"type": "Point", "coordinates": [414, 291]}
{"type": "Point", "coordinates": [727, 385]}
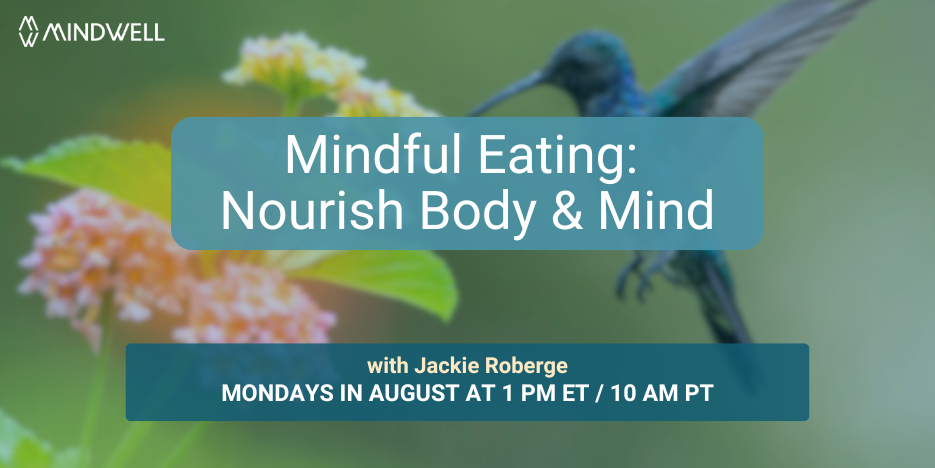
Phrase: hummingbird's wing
{"type": "Point", "coordinates": [739, 72]}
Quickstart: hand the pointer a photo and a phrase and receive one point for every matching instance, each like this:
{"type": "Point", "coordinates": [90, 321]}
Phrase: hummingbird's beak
{"type": "Point", "coordinates": [536, 78]}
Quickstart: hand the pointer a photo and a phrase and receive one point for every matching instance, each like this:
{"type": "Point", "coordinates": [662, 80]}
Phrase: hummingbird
{"type": "Point", "coordinates": [731, 78]}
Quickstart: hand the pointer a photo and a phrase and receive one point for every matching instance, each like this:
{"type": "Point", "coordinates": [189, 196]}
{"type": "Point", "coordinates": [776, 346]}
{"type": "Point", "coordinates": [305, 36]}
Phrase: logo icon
{"type": "Point", "coordinates": [32, 31]}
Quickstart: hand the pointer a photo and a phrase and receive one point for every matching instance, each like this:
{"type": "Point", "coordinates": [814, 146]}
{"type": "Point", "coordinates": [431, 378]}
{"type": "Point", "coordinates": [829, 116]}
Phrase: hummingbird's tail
{"type": "Point", "coordinates": [722, 315]}
{"type": "Point", "coordinates": [720, 310]}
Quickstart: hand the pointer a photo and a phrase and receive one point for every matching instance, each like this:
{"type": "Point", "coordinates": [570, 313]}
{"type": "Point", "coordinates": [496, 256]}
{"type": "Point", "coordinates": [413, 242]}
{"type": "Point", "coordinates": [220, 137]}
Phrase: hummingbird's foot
{"type": "Point", "coordinates": [633, 266]}
{"type": "Point", "coordinates": [659, 262]}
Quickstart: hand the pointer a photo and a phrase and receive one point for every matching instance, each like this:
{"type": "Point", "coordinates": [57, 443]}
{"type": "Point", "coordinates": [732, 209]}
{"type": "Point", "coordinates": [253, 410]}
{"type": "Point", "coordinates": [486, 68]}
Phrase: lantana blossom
{"type": "Point", "coordinates": [369, 98]}
{"type": "Point", "coordinates": [89, 244]}
{"type": "Point", "coordinates": [299, 68]}
{"type": "Point", "coordinates": [295, 65]}
{"type": "Point", "coordinates": [253, 304]}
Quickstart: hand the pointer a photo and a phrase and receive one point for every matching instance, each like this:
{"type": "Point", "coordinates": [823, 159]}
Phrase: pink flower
{"type": "Point", "coordinates": [253, 304]}
{"type": "Point", "coordinates": [88, 243]}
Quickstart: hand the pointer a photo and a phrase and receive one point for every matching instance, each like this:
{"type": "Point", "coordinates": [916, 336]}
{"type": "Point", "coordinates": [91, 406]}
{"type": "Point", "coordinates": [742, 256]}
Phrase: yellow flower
{"type": "Point", "coordinates": [295, 65]}
{"type": "Point", "coordinates": [368, 98]}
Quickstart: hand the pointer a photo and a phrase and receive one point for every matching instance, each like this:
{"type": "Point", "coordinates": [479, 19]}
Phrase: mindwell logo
{"type": "Point", "coordinates": [88, 32]}
{"type": "Point", "coordinates": [32, 31]}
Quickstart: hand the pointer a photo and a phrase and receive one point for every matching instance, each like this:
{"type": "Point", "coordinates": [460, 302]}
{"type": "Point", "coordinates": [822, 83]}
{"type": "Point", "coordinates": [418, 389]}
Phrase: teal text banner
{"type": "Point", "coordinates": [467, 183]}
{"type": "Point", "coordinates": [467, 382]}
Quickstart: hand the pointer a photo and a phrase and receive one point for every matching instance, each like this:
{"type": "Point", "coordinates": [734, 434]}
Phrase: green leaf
{"type": "Point", "coordinates": [67, 458]}
{"type": "Point", "coordinates": [136, 172]}
{"type": "Point", "coordinates": [11, 435]}
{"type": "Point", "coordinates": [31, 453]}
{"type": "Point", "coordinates": [21, 448]}
{"type": "Point", "coordinates": [140, 174]}
{"type": "Point", "coordinates": [416, 277]}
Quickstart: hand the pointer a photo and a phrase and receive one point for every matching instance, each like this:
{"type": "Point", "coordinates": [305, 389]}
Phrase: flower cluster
{"type": "Point", "coordinates": [253, 304]}
{"type": "Point", "coordinates": [89, 245]}
{"type": "Point", "coordinates": [368, 98]}
{"type": "Point", "coordinates": [299, 68]}
{"type": "Point", "coordinates": [295, 66]}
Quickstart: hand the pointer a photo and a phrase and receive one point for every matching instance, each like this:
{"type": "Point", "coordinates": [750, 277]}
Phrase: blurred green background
{"type": "Point", "coordinates": [845, 265]}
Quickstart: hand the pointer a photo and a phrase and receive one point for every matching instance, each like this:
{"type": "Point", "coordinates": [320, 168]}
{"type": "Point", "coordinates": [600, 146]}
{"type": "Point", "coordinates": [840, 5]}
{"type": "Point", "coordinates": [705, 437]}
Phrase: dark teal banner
{"type": "Point", "coordinates": [467, 183]}
{"type": "Point", "coordinates": [467, 382]}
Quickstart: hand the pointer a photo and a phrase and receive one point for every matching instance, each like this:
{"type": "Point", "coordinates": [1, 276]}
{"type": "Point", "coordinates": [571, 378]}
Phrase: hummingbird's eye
{"type": "Point", "coordinates": [575, 65]}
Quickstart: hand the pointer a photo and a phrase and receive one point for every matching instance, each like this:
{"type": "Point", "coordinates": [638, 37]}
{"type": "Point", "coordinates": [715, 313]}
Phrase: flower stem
{"type": "Point", "coordinates": [191, 436]}
{"type": "Point", "coordinates": [128, 444]}
{"type": "Point", "coordinates": [97, 384]}
{"type": "Point", "coordinates": [291, 108]}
